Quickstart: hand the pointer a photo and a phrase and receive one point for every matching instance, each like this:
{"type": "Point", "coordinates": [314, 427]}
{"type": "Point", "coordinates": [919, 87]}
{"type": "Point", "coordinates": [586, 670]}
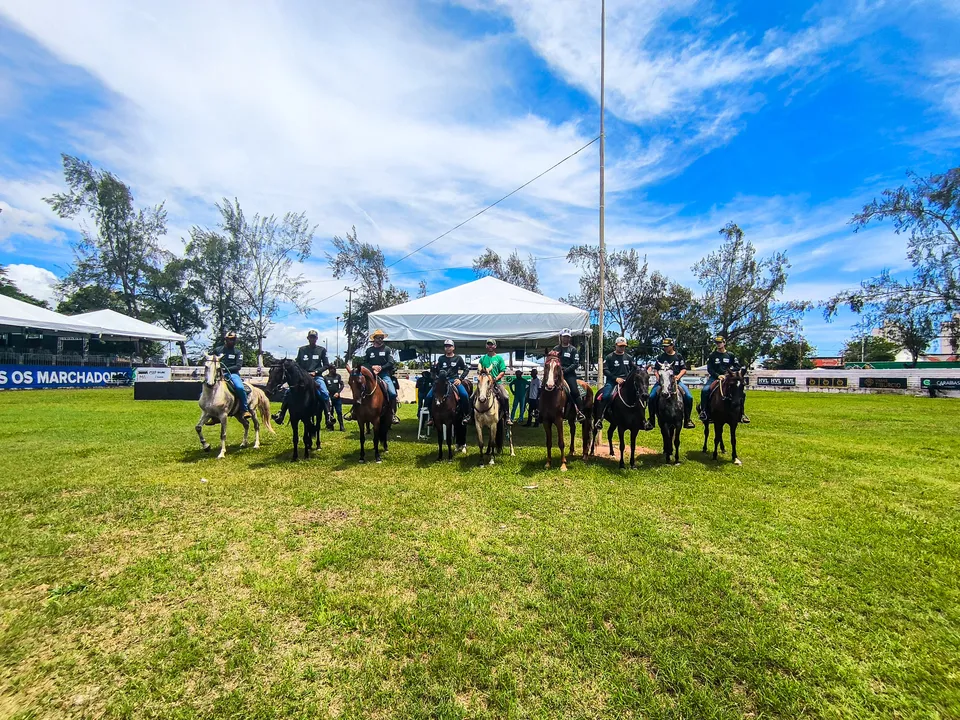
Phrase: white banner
{"type": "Point", "coordinates": [152, 374]}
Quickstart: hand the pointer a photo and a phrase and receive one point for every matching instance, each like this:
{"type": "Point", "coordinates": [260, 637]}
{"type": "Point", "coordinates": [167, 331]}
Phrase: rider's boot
{"type": "Point", "coordinates": [578, 405]}
{"type": "Point", "coordinates": [394, 403]}
{"type": "Point", "coordinates": [702, 411]}
{"type": "Point", "coordinates": [687, 410]}
{"type": "Point", "coordinates": [278, 417]}
{"type": "Point", "coordinates": [652, 422]}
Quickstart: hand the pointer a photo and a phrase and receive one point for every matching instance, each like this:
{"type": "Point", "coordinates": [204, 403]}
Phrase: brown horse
{"type": "Point", "coordinates": [447, 420]}
{"type": "Point", "coordinates": [554, 409]}
{"type": "Point", "coordinates": [371, 410]}
{"type": "Point", "coordinates": [726, 408]}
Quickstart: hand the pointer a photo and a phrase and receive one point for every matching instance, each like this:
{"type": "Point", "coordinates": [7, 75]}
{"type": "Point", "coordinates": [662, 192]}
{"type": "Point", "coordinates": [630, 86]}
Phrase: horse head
{"type": "Point", "coordinates": [276, 376]}
{"type": "Point", "coordinates": [441, 385]}
{"type": "Point", "coordinates": [211, 370]}
{"type": "Point", "coordinates": [360, 380]}
{"type": "Point", "coordinates": [733, 384]}
{"type": "Point", "coordinates": [667, 380]}
{"type": "Point", "coordinates": [484, 388]}
{"type": "Point", "coordinates": [641, 382]}
{"type": "Point", "coordinates": [552, 374]}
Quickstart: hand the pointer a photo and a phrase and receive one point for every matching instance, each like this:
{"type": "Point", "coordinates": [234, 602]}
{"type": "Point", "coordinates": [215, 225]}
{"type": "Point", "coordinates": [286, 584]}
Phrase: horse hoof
{"type": "Point", "coordinates": [362, 461]}
{"type": "Point", "coordinates": [208, 448]}
{"type": "Point", "coordinates": [547, 466]}
{"type": "Point", "coordinates": [676, 463]}
{"type": "Point", "coordinates": [379, 460]}
{"type": "Point", "coordinates": [563, 468]}
{"type": "Point", "coordinates": [737, 462]}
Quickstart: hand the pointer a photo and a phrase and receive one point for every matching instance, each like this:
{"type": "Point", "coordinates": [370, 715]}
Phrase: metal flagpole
{"type": "Point", "coordinates": [603, 32]}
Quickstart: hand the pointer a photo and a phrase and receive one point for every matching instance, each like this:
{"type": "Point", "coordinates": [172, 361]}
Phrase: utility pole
{"type": "Point", "coordinates": [603, 250]}
{"type": "Point", "coordinates": [337, 333]}
{"type": "Point", "coordinates": [349, 354]}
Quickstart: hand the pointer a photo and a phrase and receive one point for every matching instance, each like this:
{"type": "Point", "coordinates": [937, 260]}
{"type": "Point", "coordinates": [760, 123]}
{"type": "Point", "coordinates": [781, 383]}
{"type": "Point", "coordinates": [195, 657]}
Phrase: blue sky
{"type": "Point", "coordinates": [404, 118]}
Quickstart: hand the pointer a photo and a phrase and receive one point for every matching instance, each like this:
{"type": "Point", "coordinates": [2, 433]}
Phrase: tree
{"type": "Point", "coordinates": [741, 295]}
{"type": "Point", "coordinates": [365, 264]}
{"type": "Point", "coordinates": [790, 353]}
{"type": "Point", "coordinates": [125, 242]}
{"type": "Point", "coordinates": [268, 248]}
{"type": "Point", "coordinates": [10, 289]}
{"type": "Point", "coordinates": [89, 298]}
{"type": "Point", "coordinates": [171, 297]}
{"type": "Point", "coordinates": [422, 289]}
{"type": "Point", "coordinates": [869, 348]}
{"type": "Point", "coordinates": [216, 264]}
{"type": "Point", "coordinates": [514, 271]}
{"type": "Point", "coordinates": [913, 326]}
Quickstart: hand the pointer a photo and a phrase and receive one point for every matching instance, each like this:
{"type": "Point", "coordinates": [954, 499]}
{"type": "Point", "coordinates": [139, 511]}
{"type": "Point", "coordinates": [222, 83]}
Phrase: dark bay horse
{"type": "Point", "coordinates": [447, 418]}
{"type": "Point", "coordinates": [553, 405]}
{"type": "Point", "coordinates": [628, 411]}
{"type": "Point", "coordinates": [669, 405]}
{"type": "Point", "coordinates": [371, 410]}
{"type": "Point", "coordinates": [726, 408]}
{"type": "Point", "coordinates": [303, 404]}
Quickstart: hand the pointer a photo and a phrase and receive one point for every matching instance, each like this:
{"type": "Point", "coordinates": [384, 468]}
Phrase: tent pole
{"type": "Point", "coordinates": [603, 32]}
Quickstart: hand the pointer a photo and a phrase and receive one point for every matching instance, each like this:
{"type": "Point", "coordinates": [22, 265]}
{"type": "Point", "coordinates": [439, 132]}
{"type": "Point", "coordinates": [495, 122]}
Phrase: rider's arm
{"type": "Point", "coordinates": [683, 368]}
{"type": "Point", "coordinates": [463, 367]}
{"type": "Point", "coordinates": [386, 365]}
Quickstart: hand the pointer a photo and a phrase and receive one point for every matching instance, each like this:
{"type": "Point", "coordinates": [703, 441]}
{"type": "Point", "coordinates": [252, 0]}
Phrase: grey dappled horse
{"type": "Point", "coordinates": [217, 404]}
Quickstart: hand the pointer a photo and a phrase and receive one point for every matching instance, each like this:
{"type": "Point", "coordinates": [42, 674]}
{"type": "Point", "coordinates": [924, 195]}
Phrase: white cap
{"type": "Point", "coordinates": [565, 331]}
{"type": "Point", "coordinates": [620, 340]}
{"type": "Point", "coordinates": [448, 342]}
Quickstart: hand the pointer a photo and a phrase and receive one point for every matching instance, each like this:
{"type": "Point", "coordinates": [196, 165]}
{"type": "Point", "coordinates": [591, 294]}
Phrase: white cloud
{"type": "Point", "coordinates": [33, 280]}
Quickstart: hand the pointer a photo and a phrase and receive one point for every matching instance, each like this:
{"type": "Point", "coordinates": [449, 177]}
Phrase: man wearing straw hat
{"type": "Point", "coordinates": [378, 359]}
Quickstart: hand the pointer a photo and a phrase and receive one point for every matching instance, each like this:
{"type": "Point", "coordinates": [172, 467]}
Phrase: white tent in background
{"type": "Point", "coordinates": [18, 316]}
{"type": "Point", "coordinates": [484, 308]}
{"type": "Point", "coordinates": [117, 326]}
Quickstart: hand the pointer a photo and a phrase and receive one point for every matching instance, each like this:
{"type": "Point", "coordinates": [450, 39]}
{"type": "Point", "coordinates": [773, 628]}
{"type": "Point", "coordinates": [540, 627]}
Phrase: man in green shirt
{"type": "Point", "coordinates": [518, 385]}
{"type": "Point", "coordinates": [497, 369]}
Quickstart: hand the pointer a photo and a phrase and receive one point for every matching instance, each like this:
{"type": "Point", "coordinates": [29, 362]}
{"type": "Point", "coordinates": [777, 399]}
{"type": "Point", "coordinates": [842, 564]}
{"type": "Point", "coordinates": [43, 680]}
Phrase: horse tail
{"type": "Point", "coordinates": [263, 408]}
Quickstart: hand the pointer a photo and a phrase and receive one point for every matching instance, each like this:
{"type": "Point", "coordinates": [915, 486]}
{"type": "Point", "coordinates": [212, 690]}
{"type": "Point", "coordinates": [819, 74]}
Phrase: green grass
{"type": "Point", "coordinates": [821, 579]}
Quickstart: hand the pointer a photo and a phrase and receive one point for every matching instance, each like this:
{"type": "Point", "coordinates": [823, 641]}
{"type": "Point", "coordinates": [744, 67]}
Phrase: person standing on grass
{"type": "Point", "coordinates": [335, 388]}
{"type": "Point", "coordinates": [518, 385]}
{"type": "Point", "coordinates": [231, 362]}
{"type": "Point", "coordinates": [497, 368]}
{"type": "Point", "coordinates": [533, 399]}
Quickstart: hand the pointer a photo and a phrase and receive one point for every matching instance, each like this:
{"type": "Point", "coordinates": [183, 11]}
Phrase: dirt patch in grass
{"type": "Point", "coordinates": [327, 517]}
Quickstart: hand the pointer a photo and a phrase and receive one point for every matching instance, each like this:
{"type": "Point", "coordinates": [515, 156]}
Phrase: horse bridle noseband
{"type": "Point", "coordinates": [640, 397]}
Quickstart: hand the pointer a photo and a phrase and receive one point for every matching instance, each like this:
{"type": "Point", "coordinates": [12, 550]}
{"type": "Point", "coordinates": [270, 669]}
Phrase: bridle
{"type": "Point", "coordinates": [641, 398]}
{"type": "Point", "coordinates": [364, 392]}
{"type": "Point", "coordinates": [553, 363]}
{"type": "Point", "coordinates": [484, 398]}
{"type": "Point", "coordinates": [217, 371]}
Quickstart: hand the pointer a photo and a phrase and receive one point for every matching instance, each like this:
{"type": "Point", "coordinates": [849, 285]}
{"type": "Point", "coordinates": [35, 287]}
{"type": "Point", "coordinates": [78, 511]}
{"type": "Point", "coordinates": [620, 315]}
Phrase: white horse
{"type": "Point", "coordinates": [217, 404]}
{"type": "Point", "coordinates": [486, 414]}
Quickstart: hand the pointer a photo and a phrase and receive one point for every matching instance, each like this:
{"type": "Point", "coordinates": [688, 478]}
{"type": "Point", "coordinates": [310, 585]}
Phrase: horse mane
{"type": "Point", "coordinates": [299, 375]}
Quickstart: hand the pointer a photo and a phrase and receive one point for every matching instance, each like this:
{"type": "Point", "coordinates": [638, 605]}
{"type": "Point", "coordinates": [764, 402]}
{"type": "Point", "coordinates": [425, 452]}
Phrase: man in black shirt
{"type": "Point", "coordinates": [616, 367]}
{"type": "Point", "coordinates": [231, 362]}
{"type": "Point", "coordinates": [675, 360]}
{"type": "Point", "coordinates": [718, 363]}
{"type": "Point", "coordinates": [334, 386]}
{"type": "Point", "coordinates": [312, 359]}
{"type": "Point", "coordinates": [378, 359]}
{"type": "Point", "coordinates": [569, 361]}
{"type": "Point", "coordinates": [456, 370]}
{"type": "Point", "coordinates": [424, 384]}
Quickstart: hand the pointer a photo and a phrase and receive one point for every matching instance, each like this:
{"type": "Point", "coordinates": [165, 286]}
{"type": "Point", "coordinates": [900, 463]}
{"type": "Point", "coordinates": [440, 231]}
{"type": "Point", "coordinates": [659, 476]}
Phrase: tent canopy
{"type": "Point", "coordinates": [18, 316]}
{"type": "Point", "coordinates": [119, 326]}
{"type": "Point", "coordinates": [485, 308]}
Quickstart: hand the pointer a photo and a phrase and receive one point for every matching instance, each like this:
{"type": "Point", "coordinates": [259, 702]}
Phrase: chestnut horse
{"type": "Point", "coordinates": [726, 408]}
{"type": "Point", "coordinates": [371, 410]}
{"type": "Point", "coordinates": [554, 409]}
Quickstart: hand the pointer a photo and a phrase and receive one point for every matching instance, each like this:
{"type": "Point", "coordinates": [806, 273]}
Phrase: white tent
{"type": "Point", "coordinates": [116, 325]}
{"type": "Point", "coordinates": [19, 316]}
{"type": "Point", "coordinates": [484, 308]}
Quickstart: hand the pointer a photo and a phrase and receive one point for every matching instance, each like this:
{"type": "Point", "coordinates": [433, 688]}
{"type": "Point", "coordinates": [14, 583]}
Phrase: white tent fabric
{"type": "Point", "coordinates": [484, 308]}
{"type": "Point", "coordinates": [17, 315]}
{"type": "Point", "coordinates": [118, 325]}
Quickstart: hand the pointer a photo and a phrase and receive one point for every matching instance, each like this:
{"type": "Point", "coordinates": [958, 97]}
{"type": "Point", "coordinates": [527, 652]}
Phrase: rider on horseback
{"type": "Point", "coordinates": [378, 359]}
{"type": "Point", "coordinates": [453, 366]}
{"type": "Point", "coordinates": [231, 361]}
{"type": "Point", "coordinates": [311, 358]}
{"type": "Point", "coordinates": [497, 369]}
{"type": "Point", "coordinates": [719, 361]}
{"type": "Point", "coordinates": [616, 367]}
{"type": "Point", "coordinates": [569, 360]}
{"type": "Point", "coordinates": [675, 360]}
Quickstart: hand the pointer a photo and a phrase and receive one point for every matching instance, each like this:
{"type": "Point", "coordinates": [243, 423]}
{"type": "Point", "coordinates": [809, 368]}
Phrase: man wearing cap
{"type": "Point", "coordinates": [533, 400]}
{"type": "Point", "coordinates": [452, 365]}
{"type": "Point", "coordinates": [231, 362]}
{"type": "Point", "coordinates": [335, 387]}
{"type": "Point", "coordinates": [312, 359]}
{"type": "Point", "coordinates": [569, 360]}
{"type": "Point", "coordinates": [518, 386]}
{"type": "Point", "coordinates": [378, 359]}
{"type": "Point", "coordinates": [497, 368]}
{"type": "Point", "coordinates": [675, 360]}
{"type": "Point", "coordinates": [719, 361]}
{"type": "Point", "coordinates": [616, 367]}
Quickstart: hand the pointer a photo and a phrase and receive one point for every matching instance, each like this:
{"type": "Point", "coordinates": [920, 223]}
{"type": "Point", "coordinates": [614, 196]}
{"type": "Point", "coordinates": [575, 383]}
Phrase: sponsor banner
{"type": "Point", "coordinates": [877, 383]}
{"type": "Point", "coordinates": [941, 383]}
{"type": "Point", "coordinates": [151, 374]}
{"type": "Point", "coordinates": [20, 377]}
{"type": "Point", "coordinates": [826, 382]}
{"type": "Point", "coordinates": [693, 380]}
{"type": "Point", "coordinates": [776, 381]}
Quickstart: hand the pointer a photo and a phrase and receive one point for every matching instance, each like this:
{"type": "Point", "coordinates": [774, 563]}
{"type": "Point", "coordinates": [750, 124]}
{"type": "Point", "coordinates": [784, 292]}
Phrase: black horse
{"type": "Point", "coordinates": [302, 401]}
{"type": "Point", "coordinates": [447, 417]}
{"type": "Point", "coordinates": [669, 409]}
{"type": "Point", "coordinates": [627, 410]}
{"type": "Point", "coordinates": [726, 408]}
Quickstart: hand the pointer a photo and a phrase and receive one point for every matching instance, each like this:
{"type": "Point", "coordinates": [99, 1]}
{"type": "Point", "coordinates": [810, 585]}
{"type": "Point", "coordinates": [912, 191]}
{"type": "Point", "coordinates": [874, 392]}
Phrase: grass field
{"type": "Point", "coordinates": [821, 579]}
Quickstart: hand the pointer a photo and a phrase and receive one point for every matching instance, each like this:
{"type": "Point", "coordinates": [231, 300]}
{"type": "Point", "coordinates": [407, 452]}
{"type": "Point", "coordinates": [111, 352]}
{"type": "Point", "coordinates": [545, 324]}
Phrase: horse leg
{"type": "Point", "coordinates": [256, 428]}
{"type": "Point", "coordinates": [548, 428]}
{"type": "Point", "coordinates": [492, 430]}
{"type": "Point", "coordinates": [223, 436]}
{"type": "Point", "coordinates": [377, 426]}
{"type": "Point", "coordinates": [633, 448]}
{"type": "Point", "coordinates": [717, 436]}
{"type": "Point", "coordinates": [620, 431]}
{"type": "Point", "coordinates": [437, 426]}
{"type": "Point", "coordinates": [451, 428]}
{"type": "Point", "coordinates": [676, 445]}
{"type": "Point", "coordinates": [733, 442]}
{"type": "Point", "coordinates": [667, 443]}
{"type": "Point", "coordinates": [479, 435]}
{"type": "Point", "coordinates": [561, 445]}
{"type": "Point", "coordinates": [363, 441]}
{"type": "Point", "coordinates": [610, 438]}
{"type": "Point", "coordinates": [295, 426]}
{"type": "Point", "coordinates": [203, 442]}
{"type": "Point", "coordinates": [246, 432]}
{"type": "Point", "coordinates": [706, 436]}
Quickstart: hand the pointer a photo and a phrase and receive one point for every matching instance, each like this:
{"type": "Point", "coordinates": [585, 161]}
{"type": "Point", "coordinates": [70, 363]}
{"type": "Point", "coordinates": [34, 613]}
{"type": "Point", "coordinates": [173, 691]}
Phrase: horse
{"type": "Point", "coordinates": [555, 408]}
{"type": "Point", "coordinates": [447, 418]}
{"type": "Point", "coordinates": [303, 404]}
{"type": "Point", "coordinates": [371, 410]}
{"type": "Point", "coordinates": [217, 404]}
{"type": "Point", "coordinates": [486, 414]}
{"type": "Point", "coordinates": [726, 408]}
{"type": "Point", "coordinates": [669, 404]}
{"type": "Point", "coordinates": [628, 411]}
